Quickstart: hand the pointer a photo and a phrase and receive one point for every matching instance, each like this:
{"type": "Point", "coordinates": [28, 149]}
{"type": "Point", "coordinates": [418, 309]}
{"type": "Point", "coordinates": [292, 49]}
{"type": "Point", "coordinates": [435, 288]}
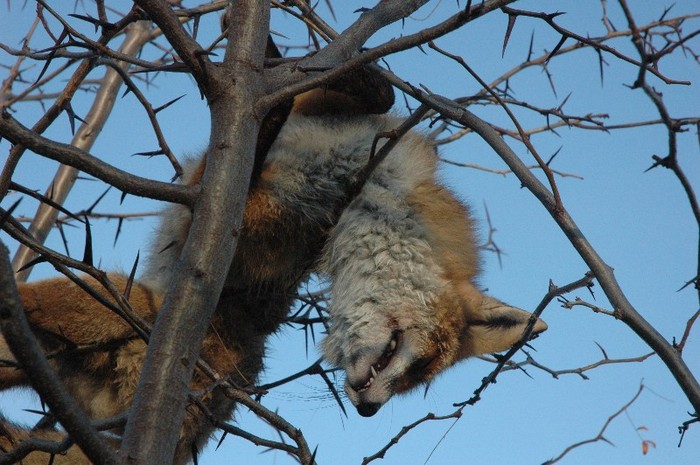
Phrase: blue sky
{"type": "Point", "coordinates": [639, 222]}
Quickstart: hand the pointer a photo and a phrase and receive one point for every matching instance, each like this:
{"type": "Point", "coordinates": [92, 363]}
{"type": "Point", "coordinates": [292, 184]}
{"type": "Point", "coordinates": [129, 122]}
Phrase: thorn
{"type": "Point", "coordinates": [223, 436]}
{"type": "Point", "coordinates": [44, 199]}
{"type": "Point", "coordinates": [99, 199]}
{"type": "Point", "coordinates": [556, 49]}
{"type": "Point", "coordinates": [511, 22]}
{"type": "Point", "coordinates": [87, 255]}
{"type": "Point", "coordinates": [94, 21]}
{"type": "Point", "coordinates": [166, 105]}
{"type": "Point", "coordinates": [64, 34]}
{"type": "Point", "coordinates": [120, 222]}
{"type": "Point", "coordinates": [31, 263]}
{"type": "Point", "coordinates": [7, 214]}
{"type": "Point", "coordinates": [334, 391]}
{"type": "Point", "coordinates": [152, 153]}
{"type": "Point", "coordinates": [605, 355]}
{"type": "Point", "coordinates": [130, 280]}
{"type": "Point", "coordinates": [553, 155]}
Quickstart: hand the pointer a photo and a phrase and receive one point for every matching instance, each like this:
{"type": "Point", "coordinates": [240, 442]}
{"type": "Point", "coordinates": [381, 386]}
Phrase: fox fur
{"type": "Point", "coordinates": [401, 258]}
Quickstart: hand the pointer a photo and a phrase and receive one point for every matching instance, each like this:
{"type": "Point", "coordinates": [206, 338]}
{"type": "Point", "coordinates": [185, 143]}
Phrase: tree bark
{"type": "Point", "coordinates": [158, 409]}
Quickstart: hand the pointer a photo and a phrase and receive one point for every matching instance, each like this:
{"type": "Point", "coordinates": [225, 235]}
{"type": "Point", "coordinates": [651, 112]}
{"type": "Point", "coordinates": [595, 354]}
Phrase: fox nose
{"type": "Point", "coordinates": [367, 409]}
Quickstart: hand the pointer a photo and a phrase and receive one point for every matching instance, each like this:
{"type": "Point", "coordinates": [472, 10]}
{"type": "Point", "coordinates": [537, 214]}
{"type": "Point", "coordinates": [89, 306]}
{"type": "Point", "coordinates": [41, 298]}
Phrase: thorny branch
{"type": "Point", "coordinates": [581, 371]}
{"type": "Point", "coordinates": [566, 34]}
{"type": "Point", "coordinates": [24, 448]}
{"type": "Point", "coordinates": [63, 101]}
{"type": "Point", "coordinates": [501, 84]}
{"type": "Point", "coordinates": [84, 139]}
{"type": "Point", "coordinates": [302, 451]}
{"type": "Point", "coordinates": [554, 291]}
{"type": "Point", "coordinates": [65, 264]}
{"type": "Point", "coordinates": [650, 57]}
{"type": "Point", "coordinates": [408, 428]}
{"type": "Point", "coordinates": [521, 132]}
{"type": "Point", "coordinates": [72, 156]}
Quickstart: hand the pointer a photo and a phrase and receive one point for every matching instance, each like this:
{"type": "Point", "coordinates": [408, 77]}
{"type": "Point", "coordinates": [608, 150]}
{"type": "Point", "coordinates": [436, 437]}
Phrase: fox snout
{"type": "Point", "coordinates": [370, 376]}
{"type": "Point", "coordinates": [403, 363]}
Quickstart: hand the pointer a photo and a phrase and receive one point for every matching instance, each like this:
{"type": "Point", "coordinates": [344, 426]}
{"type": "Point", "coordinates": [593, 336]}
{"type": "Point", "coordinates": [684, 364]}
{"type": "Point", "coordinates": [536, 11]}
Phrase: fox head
{"type": "Point", "coordinates": [390, 352]}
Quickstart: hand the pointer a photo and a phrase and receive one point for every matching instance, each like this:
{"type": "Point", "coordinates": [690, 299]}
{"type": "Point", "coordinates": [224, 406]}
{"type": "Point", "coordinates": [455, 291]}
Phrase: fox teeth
{"type": "Point", "coordinates": [374, 371]}
{"type": "Point", "coordinates": [392, 344]}
{"type": "Point", "coordinates": [366, 386]}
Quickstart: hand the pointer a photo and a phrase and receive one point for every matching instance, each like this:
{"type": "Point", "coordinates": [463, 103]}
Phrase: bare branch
{"type": "Point", "coordinates": [601, 434]}
{"type": "Point", "coordinates": [62, 101]}
{"type": "Point", "coordinates": [549, 19]}
{"type": "Point", "coordinates": [83, 161]}
{"type": "Point", "coordinates": [189, 51]}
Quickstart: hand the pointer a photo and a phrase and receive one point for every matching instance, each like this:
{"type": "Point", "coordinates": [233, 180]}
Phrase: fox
{"type": "Point", "coordinates": [401, 257]}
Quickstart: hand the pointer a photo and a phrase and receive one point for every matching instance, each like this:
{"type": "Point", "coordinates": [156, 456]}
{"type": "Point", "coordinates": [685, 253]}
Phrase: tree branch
{"type": "Point", "coordinates": [189, 51]}
{"type": "Point", "coordinates": [159, 404]}
{"type": "Point", "coordinates": [601, 434]}
{"type": "Point", "coordinates": [16, 133]}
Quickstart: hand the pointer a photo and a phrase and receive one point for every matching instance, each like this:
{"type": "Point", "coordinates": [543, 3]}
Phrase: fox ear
{"type": "Point", "coordinates": [493, 326]}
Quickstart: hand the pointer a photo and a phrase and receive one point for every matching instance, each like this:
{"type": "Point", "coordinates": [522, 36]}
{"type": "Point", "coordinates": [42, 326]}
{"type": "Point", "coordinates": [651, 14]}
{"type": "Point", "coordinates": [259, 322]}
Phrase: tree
{"type": "Point", "coordinates": [158, 51]}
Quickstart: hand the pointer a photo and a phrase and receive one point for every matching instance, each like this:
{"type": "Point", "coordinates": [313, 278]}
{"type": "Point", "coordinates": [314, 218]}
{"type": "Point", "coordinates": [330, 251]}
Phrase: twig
{"type": "Point", "coordinates": [601, 434]}
{"type": "Point", "coordinates": [524, 138]}
{"type": "Point", "coordinates": [688, 326]}
{"type": "Point", "coordinates": [569, 304]}
{"type": "Point", "coordinates": [405, 430]}
{"type": "Point", "coordinates": [507, 172]}
{"type": "Point", "coordinates": [580, 370]}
